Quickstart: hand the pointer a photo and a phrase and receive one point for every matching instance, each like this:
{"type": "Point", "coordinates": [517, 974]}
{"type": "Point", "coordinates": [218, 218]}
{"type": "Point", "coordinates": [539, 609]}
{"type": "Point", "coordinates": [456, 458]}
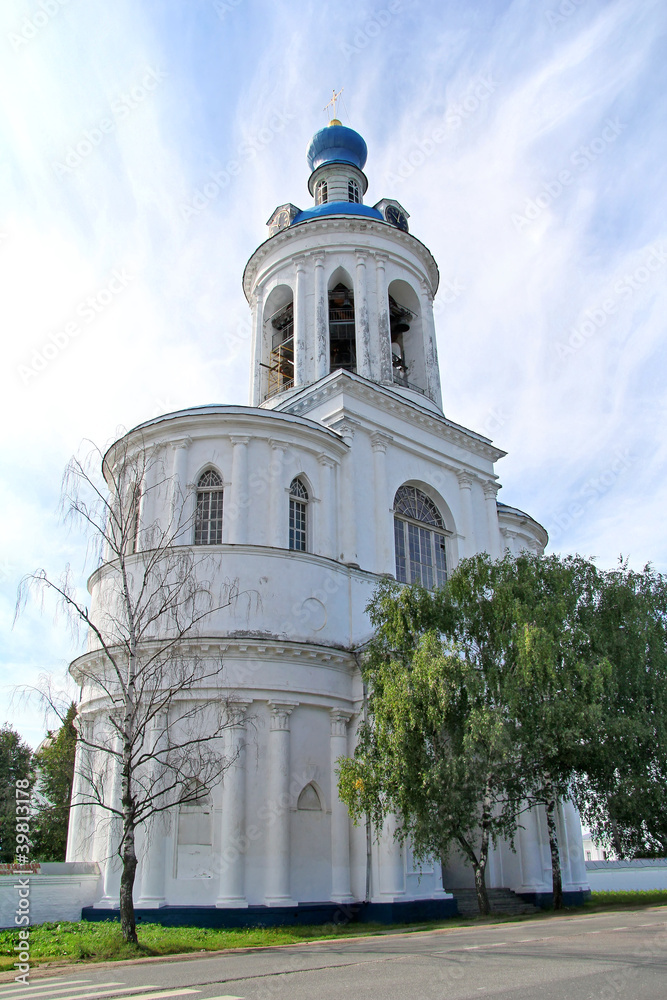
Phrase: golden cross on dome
{"type": "Point", "coordinates": [332, 103]}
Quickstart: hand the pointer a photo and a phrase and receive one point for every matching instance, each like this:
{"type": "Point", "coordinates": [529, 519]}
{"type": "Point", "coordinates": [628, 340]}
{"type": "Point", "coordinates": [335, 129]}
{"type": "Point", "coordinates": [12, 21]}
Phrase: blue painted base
{"type": "Point", "coordinates": [545, 900]}
{"type": "Point", "coordinates": [413, 911]}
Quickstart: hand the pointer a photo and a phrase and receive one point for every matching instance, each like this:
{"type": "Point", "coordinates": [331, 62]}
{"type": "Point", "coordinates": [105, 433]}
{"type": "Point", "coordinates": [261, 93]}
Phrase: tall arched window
{"type": "Point", "coordinates": [353, 191]}
{"type": "Point", "coordinates": [342, 343]}
{"type": "Point", "coordinates": [298, 501]}
{"type": "Point", "coordinates": [208, 520]}
{"type": "Point", "coordinates": [321, 193]}
{"type": "Point", "coordinates": [419, 535]}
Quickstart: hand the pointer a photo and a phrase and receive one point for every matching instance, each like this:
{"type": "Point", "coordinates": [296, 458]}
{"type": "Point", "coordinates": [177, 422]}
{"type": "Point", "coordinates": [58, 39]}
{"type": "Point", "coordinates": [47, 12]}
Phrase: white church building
{"type": "Point", "coordinates": [342, 470]}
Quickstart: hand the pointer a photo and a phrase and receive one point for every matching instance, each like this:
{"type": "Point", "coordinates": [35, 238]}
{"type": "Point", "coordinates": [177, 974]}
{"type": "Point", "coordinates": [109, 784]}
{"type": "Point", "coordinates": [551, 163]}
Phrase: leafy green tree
{"type": "Point", "coordinates": [623, 793]}
{"type": "Point", "coordinates": [484, 699]}
{"type": "Point", "coordinates": [436, 747]}
{"type": "Point", "coordinates": [54, 764]}
{"type": "Point", "coordinates": [15, 760]}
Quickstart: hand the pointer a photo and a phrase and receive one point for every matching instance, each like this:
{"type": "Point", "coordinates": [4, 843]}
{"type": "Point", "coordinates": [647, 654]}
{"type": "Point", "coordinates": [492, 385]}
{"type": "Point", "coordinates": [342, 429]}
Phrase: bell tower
{"type": "Point", "coordinates": [341, 287]}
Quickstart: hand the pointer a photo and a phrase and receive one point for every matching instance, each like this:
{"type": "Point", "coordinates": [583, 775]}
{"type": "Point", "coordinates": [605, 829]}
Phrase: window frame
{"type": "Point", "coordinates": [297, 530]}
{"type": "Point", "coordinates": [420, 544]}
{"type": "Point", "coordinates": [322, 192]}
{"type": "Point", "coordinates": [204, 496]}
{"type": "Point", "coordinates": [353, 191]}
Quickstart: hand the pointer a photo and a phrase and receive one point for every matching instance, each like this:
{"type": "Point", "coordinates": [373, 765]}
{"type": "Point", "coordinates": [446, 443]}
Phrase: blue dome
{"type": "Point", "coordinates": [338, 208]}
{"type": "Point", "coordinates": [336, 144]}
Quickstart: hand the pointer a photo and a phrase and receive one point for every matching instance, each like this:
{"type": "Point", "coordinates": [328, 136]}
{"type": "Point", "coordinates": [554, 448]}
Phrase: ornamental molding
{"type": "Point", "coordinates": [385, 398]}
{"type": "Point", "coordinates": [340, 224]}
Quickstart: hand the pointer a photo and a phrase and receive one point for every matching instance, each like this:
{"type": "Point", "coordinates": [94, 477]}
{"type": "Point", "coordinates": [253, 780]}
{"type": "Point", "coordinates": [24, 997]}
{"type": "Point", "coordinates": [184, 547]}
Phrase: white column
{"type": "Point", "coordinates": [231, 888]}
{"type": "Point", "coordinates": [575, 847]}
{"type": "Point", "coordinates": [383, 521]}
{"type": "Point", "coordinates": [530, 852]}
{"type": "Point", "coordinates": [348, 497]}
{"type": "Point", "coordinates": [391, 862]}
{"type": "Point", "coordinates": [235, 517]}
{"type": "Point", "coordinates": [382, 366]}
{"type": "Point", "coordinates": [180, 516]}
{"type": "Point", "coordinates": [112, 863]}
{"type": "Point", "coordinates": [152, 894]}
{"type": "Point", "coordinates": [278, 510]}
{"type": "Point", "coordinates": [256, 348]}
{"type": "Point", "coordinates": [327, 519]}
{"type": "Point", "coordinates": [430, 347]}
{"type": "Point", "coordinates": [340, 820]}
{"type": "Point", "coordinates": [278, 840]}
{"type": "Point", "coordinates": [465, 496]}
{"type": "Point", "coordinates": [362, 326]}
{"type": "Point", "coordinates": [300, 376]}
{"type": "Point", "coordinates": [490, 491]}
{"type": "Point", "coordinates": [321, 321]}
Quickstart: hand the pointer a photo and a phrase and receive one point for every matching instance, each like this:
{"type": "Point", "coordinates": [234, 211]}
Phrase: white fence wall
{"type": "Point", "coordinates": [618, 875]}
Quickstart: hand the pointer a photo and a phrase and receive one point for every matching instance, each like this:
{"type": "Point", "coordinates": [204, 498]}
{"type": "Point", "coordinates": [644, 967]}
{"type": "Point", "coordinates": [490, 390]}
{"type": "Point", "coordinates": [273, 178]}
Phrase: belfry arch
{"type": "Point", "coordinates": [342, 327]}
{"type": "Point", "coordinates": [407, 336]}
{"type": "Point", "coordinates": [278, 356]}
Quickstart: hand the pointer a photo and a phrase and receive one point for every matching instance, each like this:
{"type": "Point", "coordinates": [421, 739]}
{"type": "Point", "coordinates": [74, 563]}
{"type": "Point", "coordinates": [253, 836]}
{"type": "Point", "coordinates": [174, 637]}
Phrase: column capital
{"type": "Point", "coordinates": [236, 711]}
{"type": "Point", "coordinates": [183, 442]}
{"type": "Point", "coordinates": [278, 445]}
{"type": "Point", "coordinates": [300, 262]}
{"type": "Point", "coordinates": [318, 257]}
{"type": "Point", "coordinates": [339, 720]}
{"type": "Point", "coordinates": [465, 479]}
{"type": "Point", "coordinates": [380, 259]}
{"type": "Point", "coordinates": [280, 713]}
{"type": "Point", "coordinates": [490, 490]}
{"type": "Point", "coordinates": [362, 256]}
{"type": "Point", "coordinates": [239, 439]}
{"type": "Point", "coordinates": [326, 461]}
{"type": "Point", "coordinates": [380, 440]}
{"type": "Point", "coordinates": [345, 427]}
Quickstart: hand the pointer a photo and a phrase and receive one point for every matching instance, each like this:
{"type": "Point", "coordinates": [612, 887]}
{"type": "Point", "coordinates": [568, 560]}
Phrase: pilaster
{"type": "Point", "coordinates": [278, 840]}
{"type": "Point", "coordinates": [340, 820]}
{"type": "Point", "coordinates": [231, 888]}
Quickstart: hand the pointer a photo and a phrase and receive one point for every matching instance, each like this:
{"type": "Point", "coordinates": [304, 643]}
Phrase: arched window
{"type": "Point", "coordinates": [298, 500]}
{"type": "Point", "coordinates": [419, 535]}
{"type": "Point", "coordinates": [321, 193]}
{"type": "Point", "coordinates": [342, 343]}
{"type": "Point", "coordinates": [353, 191]}
{"type": "Point", "coordinates": [208, 520]}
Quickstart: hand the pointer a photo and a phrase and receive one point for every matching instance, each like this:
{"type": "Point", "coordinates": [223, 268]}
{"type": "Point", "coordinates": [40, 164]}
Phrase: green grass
{"type": "Point", "coordinates": [649, 897]}
{"type": "Point", "coordinates": [102, 942]}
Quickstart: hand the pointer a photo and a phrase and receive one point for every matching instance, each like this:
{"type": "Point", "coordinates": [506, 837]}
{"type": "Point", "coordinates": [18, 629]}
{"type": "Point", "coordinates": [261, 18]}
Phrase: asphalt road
{"type": "Point", "coordinates": [582, 957]}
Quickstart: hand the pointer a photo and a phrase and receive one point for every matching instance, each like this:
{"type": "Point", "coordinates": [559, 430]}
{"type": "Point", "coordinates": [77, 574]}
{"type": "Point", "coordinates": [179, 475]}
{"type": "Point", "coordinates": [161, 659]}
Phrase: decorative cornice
{"type": "Point", "coordinates": [346, 224]}
{"type": "Point", "coordinates": [387, 398]}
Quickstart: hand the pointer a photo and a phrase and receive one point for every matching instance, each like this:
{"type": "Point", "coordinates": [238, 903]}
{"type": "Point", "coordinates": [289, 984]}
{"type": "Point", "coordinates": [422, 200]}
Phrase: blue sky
{"type": "Point", "coordinates": [525, 139]}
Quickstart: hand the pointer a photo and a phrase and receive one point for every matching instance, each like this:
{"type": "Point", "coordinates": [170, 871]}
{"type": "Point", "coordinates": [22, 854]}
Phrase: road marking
{"type": "Point", "coordinates": [51, 990]}
{"type": "Point", "coordinates": [137, 991]}
{"type": "Point", "coordinates": [225, 998]}
{"type": "Point", "coordinates": [619, 929]}
{"type": "Point", "coordinates": [45, 979]}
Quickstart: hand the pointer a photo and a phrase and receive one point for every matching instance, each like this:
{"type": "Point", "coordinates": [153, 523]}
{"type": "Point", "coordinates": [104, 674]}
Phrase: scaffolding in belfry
{"type": "Point", "coordinates": [281, 359]}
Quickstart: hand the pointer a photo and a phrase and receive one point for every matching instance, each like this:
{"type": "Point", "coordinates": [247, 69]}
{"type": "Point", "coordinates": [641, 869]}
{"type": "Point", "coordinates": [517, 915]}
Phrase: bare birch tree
{"type": "Point", "coordinates": [161, 707]}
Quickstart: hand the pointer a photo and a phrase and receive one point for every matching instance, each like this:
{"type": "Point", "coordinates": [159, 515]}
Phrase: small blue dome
{"type": "Point", "coordinates": [336, 144]}
{"type": "Point", "coordinates": [338, 208]}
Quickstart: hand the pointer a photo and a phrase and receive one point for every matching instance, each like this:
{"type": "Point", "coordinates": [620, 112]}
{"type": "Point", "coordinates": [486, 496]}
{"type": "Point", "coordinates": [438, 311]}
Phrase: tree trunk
{"type": "Point", "coordinates": [479, 869]}
{"type": "Point", "coordinates": [557, 878]}
{"type": "Point", "coordinates": [127, 922]}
